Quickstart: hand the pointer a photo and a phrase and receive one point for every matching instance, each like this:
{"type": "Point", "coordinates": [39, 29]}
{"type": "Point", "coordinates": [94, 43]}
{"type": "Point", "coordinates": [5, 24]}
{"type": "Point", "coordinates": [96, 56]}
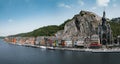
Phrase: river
{"type": "Point", "coordinates": [13, 54]}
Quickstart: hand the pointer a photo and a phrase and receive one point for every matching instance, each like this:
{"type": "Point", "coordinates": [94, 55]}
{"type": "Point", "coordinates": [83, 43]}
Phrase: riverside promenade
{"type": "Point", "coordinates": [100, 50]}
{"type": "Point", "coordinates": [31, 42]}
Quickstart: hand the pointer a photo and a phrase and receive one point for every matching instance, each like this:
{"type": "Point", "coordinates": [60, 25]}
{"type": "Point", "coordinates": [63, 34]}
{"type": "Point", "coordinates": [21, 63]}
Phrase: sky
{"type": "Point", "coordinates": [20, 16]}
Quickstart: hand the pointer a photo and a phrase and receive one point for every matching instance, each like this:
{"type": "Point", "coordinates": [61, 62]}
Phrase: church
{"type": "Point", "coordinates": [104, 31]}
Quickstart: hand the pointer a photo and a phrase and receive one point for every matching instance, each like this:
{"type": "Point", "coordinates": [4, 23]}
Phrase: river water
{"type": "Point", "coordinates": [13, 54]}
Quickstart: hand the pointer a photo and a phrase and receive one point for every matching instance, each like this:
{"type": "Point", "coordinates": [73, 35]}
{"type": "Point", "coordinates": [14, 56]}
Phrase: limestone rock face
{"type": "Point", "coordinates": [83, 24]}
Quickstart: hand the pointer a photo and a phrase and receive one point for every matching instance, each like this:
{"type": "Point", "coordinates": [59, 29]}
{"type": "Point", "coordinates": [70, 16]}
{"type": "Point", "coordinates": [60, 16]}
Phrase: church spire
{"type": "Point", "coordinates": [103, 14]}
{"type": "Point", "coordinates": [103, 19]}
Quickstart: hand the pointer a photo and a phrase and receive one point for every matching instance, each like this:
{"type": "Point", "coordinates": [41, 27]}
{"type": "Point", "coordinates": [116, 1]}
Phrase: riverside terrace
{"type": "Point", "coordinates": [52, 41]}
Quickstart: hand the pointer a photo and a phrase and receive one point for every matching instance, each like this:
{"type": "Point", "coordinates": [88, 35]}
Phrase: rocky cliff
{"type": "Point", "coordinates": [83, 24]}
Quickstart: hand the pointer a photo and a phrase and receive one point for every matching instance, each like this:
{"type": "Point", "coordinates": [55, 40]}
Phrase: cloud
{"type": "Point", "coordinates": [64, 5]}
{"type": "Point", "coordinates": [10, 20]}
{"type": "Point", "coordinates": [81, 2]}
{"type": "Point", "coordinates": [94, 8]}
{"type": "Point", "coordinates": [114, 5]}
{"type": "Point", "coordinates": [103, 2]}
{"type": "Point", "coordinates": [114, 0]}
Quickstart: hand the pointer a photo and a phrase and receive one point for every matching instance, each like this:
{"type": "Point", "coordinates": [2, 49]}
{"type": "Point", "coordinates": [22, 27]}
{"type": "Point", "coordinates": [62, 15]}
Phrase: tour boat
{"type": "Point", "coordinates": [88, 50]}
{"type": "Point", "coordinates": [106, 51]}
{"type": "Point", "coordinates": [43, 47]}
{"type": "Point", "coordinates": [51, 48]}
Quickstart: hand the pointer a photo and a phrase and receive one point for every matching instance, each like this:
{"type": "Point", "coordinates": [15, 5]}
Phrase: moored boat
{"type": "Point", "coordinates": [106, 51]}
{"type": "Point", "coordinates": [51, 48]}
{"type": "Point", "coordinates": [43, 47]}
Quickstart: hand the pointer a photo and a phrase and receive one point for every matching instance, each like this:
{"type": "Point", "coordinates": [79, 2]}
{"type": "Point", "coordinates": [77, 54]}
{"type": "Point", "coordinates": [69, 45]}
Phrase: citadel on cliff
{"type": "Point", "coordinates": [89, 28]}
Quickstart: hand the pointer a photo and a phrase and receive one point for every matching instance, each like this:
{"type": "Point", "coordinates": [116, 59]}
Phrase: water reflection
{"type": "Point", "coordinates": [11, 54]}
